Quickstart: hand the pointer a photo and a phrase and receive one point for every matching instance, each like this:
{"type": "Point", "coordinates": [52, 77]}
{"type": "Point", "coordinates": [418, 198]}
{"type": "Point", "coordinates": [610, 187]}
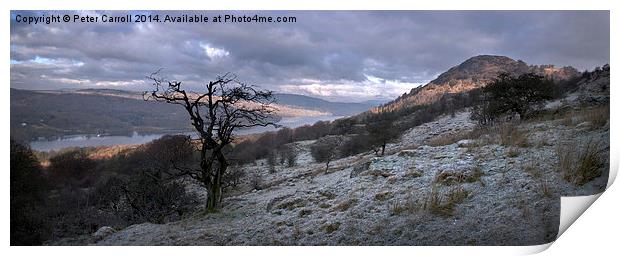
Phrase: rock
{"type": "Point", "coordinates": [359, 169]}
{"type": "Point", "coordinates": [583, 125]}
{"type": "Point", "coordinates": [466, 143]}
{"type": "Point", "coordinates": [408, 153]}
{"type": "Point", "coordinates": [102, 233]}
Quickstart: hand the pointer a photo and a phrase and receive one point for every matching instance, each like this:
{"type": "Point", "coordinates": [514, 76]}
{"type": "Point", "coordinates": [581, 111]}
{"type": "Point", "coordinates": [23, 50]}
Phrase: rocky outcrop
{"type": "Point", "coordinates": [594, 86]}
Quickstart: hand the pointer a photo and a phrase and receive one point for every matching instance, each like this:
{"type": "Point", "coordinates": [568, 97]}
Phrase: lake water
{"type": "Point", "coordinates": [135, 138]}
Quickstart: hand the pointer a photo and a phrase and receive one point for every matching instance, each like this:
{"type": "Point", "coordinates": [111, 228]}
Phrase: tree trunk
{"type": "Point", "coordinates": [213, 196]}
{"type": "Point", "coordinates": [382, 149]}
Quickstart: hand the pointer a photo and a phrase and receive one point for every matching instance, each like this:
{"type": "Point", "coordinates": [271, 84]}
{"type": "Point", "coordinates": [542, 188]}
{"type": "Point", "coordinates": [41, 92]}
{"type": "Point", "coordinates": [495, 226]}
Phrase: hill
{"type": "Point", "coordinates": [474, 73]}
{"type": "Point", "coordinates": [336, 108]}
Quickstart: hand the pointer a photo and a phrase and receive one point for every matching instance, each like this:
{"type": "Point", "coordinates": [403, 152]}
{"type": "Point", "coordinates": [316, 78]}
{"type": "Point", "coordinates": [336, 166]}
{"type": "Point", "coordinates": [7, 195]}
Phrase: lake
{"type": "Point", "coordinates": [81, 140]}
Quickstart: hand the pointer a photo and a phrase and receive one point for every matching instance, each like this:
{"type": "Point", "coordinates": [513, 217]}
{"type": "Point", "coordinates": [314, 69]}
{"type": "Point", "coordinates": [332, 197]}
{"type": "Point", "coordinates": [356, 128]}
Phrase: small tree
{"type": "Point", "coordinates": [216, 113]}
{"type": "Point", "coordinates": [289, 155]}
{"type": "Point", "coordinates": [513, 95]}
{"type": "Point", "coordinates": [325, 149]}
{"type": "Point", "coordinates": [381, 133]}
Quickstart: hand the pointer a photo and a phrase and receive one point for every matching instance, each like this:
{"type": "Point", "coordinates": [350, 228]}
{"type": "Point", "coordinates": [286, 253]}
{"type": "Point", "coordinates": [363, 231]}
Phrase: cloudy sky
{"type": "Point", "coordinates": [345, 56]}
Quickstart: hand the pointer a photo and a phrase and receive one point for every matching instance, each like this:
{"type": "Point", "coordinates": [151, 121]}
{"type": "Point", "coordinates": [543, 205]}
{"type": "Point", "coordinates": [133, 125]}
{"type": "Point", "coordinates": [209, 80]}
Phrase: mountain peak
{"type": "Point", "coordinates": [482, 68]}
{"type": "Point", "coordinates": [473, 73]}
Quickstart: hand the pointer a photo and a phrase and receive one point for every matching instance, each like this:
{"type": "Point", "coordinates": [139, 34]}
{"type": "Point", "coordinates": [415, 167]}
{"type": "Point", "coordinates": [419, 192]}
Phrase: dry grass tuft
{"type": "Point", "coordinates": [332, 227]}
{"type": "Point", "coordinates": [447, 139]}
{"type": "Point", "coordinates": [532, 171]}
{"type": "Point", "coordinates": [451, 178]}
{"type": "Point", "coordinates": [580, 165]}
{"type": "Point", "coordinates": [304, 212]}
{"type": "Point", "coordinates": [443, 205]}
{"type": "Point", "coordinates": [545, 190]}
{"type": "Point", "coordinates": [399, 207]}
{"type": "Point", "coordinates": [345, 205]}
{"type": "Point", "coordinates": [383, 195]}
{"type": "Point", "coordinates": [412, 173]}
{"type": "Point", "coordinates": [510, 135]}
{"type": "Point", "coordinates": [513, 152]}
{"type": "Point", "coordinates": [597, 116]}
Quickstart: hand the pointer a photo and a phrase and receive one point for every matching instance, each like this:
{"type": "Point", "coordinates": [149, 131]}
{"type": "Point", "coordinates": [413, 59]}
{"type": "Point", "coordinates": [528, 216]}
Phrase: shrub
{"type": "Point", "coordinates": [154, 200]}
{"type": "Point", "coordinates": [73, 168]}
{"type": "Point", "coordinates": [520, 95]}
{"type": "Point", "coordinates": [28, 192]}
{"type": "Point", "coordinates": [325, 149]}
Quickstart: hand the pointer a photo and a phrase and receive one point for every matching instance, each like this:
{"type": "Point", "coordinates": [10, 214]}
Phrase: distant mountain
{"type": "Point", "coordinates": [474, 73]}
{"type": "Point", "coordinates": [335, 108]}
{"type": "Point", "coordinates": [288, 103]}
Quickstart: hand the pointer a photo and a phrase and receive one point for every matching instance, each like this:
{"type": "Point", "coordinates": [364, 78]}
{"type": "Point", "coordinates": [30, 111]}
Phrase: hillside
{"type": "Point", "coordinates": [335, 108]}
{"type": "Point", "coordinates": [474, 73]}
{"type": "Point", "coordinates": [444, 182]}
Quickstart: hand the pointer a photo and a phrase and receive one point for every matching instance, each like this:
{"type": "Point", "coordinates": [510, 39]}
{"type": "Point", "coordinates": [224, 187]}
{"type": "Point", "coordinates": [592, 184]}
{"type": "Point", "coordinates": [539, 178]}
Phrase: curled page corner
{"type": "Point", "coordinates": [572, 207]}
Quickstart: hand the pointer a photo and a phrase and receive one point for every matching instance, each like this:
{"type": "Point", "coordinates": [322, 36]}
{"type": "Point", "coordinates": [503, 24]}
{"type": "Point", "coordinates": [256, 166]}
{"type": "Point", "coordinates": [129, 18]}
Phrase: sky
{"type": "Point", "coordinates": [334, 55]}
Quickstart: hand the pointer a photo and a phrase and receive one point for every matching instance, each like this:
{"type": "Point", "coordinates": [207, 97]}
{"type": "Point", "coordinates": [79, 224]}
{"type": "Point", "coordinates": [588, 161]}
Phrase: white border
{"type": "Point", "coordinates": [598, 225]}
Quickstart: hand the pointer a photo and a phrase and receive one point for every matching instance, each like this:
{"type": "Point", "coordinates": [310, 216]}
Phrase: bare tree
{"type": "Point", "coordinates": [325, 149]}
{"type": "Point", "coordinates": [216, 113]}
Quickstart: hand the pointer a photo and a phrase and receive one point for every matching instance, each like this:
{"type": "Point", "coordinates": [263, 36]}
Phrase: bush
{"type": "Point", "coordinates": [325, 149]}
{"type": "Point", "coordinates": [156, 201]}
{"type": "Point", "coordinates": [73, 168]}
{"type": "Point", "coordinates": [28, 192]}
{"type": "Point", "coordinates": [520, 95]}
{"type": "Point", "coordinates": [288, 155]}
{"type": "Point", "coordinates": [355, 145]}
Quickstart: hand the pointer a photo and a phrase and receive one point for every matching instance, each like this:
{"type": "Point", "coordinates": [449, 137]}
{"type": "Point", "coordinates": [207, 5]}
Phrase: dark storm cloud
{"type": "Point", "coordinates": [331, 54]}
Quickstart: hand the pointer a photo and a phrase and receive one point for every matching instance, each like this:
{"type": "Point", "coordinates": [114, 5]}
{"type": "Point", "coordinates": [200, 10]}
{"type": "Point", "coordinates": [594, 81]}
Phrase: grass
{"type": "Point", "coordinates": [513, 152]}
{"type": "Point", "coordinates": [443, 205]}
{"type": "Point", "coordinates": [597, 116]}
{"type": "Point", "coordinates": [399, 207]}
{"type": "Point", "coordinates": [447, 139]}
{"type": "Point", "coordinates": [532, 171]}
{"type": "Point", "coordinates": [383, 195]}
{"type": "Point", "coordinates": [291, 204]}
{"type": "Point", "coordinates": [523, 205]}
{"type": "Point", "coordinates": [451, 138]}
{"type": "Point", "coordinates": [510, 135]}
{"type": "Point", "coordinates": [452, 178]}
{"type": "Point", "coordinates": [304, 212]}
{"type": "Point", "coordinates": [345, 205]}
{"type": "Point", "coordinates": [545, 191]}
{"type": "Point", "coordinates": [412, 173]}
{"type": "Point", "coordinates": [580, 164]}
{"type": "Point", "coordinates": [332, 227]}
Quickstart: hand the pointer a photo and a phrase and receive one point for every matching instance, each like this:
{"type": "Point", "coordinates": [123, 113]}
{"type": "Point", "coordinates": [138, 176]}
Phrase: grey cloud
{"type": "Point", "coordinates": [322, 48]}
